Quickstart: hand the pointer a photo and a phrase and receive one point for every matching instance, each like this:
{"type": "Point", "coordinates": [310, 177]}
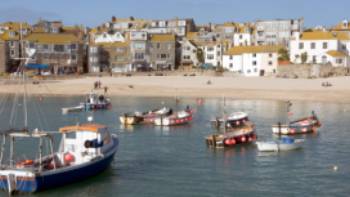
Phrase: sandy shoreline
{"type": "Point", "coordinates": [180, 86]}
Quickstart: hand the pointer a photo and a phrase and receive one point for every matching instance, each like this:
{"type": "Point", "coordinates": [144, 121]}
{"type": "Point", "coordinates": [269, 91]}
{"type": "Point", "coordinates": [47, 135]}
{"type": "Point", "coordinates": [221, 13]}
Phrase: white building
{"type": "Point", "coordinates": [321, 47]}
{"type": "Point", "coordinates": [213, 52]}
{"type": "Point", "coordinates": [242, 39]}
{"type": "Point", "coordinates": [175, 26]}
{"type": "Point", "coordinates": [279, 31]}
{"type": "Point", "coordinates": [109, 38]}
{"type": "Point", "coordinates": [252, 60]}
{"type": "Point", "coordinates": [188, 53]}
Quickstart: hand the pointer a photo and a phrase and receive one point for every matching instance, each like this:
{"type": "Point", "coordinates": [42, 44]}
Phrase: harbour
{"type": "Point", "coordinates": [175, 161]}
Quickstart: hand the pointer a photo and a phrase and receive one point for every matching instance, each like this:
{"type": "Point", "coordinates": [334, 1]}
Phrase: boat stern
{"type": "Point", "coordinates": [18, 181]}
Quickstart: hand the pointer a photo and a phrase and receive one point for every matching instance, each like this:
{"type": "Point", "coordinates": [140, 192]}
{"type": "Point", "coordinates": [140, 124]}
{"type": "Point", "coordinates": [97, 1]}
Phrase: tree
{"type": "Point", "coordinates": [283, 55]}
{"type": "Point", "coordinates": [303, 57]}
{"type": "Point", "coordinates": [200, 55]}
{"type": "Point", "coordinates": [132, 18]}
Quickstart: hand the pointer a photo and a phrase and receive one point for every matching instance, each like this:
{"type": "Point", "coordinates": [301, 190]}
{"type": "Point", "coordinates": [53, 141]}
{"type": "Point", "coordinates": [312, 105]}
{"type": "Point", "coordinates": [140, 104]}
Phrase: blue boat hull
{"type": "Point", "coordinates": [64, 177]}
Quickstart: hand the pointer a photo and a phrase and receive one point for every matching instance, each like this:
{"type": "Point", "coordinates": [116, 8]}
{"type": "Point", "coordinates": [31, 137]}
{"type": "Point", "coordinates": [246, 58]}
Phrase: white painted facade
{"type": "Point", "coordinates": [242, 39]}
{"type": "Point", "coordinates": [251, 64]}
{"type": "Point", "coordinates": [188, 53]}
{"type": "Point", "coordinates": [109, 38]}
{"type": "Point", "coordinates": [213, 54]}
{"type": "Point", "coordinates": [317, 49]}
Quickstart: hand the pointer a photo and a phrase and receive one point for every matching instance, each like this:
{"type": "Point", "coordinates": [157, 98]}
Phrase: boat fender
{"type": "Point", "coordinates": [68, 158]}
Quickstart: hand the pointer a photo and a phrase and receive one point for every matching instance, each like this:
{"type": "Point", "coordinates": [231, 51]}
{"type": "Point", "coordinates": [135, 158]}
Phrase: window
{"type": "Point", "coordinates": [255, 70]}
{"type": "Point", "coordinates": [139, 56]}
{"type": "Point", "coordinates": [163, 56]}
{"type": "Point", "coordinates": [210, 56]}
{"type": "Point", "coordinates": [301, 45]}
{"type": "Point", "coordinates": [339, 61]}
{"type": "Point", "coordinates": [120, 50]}
{"type": "Point", "coordinates": [58, 48]}
{"type": "Point", "coordinates": [254, 54]}
{"type": "Point", "coordinates": [218, 46]}
{"type": "Point", "coordinates": [71, 135]}
{"type": "Point", "coordinates": [186, 57]}
{"type": "Point", "coordinates": [12, 52]}
{"type": "Point", "coordinates": [218, 53]}
{"type": "Point", "coordinates": [231, 65]}
{"type": "Point", "coordinates": [74, 57]}
{"type": "Point", "coordinates": [314, 59]}
{"type": "Point", "coordinates": [270, 63]}
{"type": "Point", "coordinates": [325, 45]}
{"type": "Point", "coordinates": [158, 45]}
{"type": "Point", "coordinates": [254, 63]}
{"type": "Point", "coordinates": [73, 46]}
{"type": "Point", "coordinates": [210, 49]}
{"type": "Point", "coordinates": [12, 43]}
{"type": "Point", "coordinates": [231, 57]}
{"type": "Point", "coordinates": [188, 48]}
{"type": "Point", "coordinates": [248, 71]}
{"type": "Point", "coordinates": [313, 45]}
{"type": "Point", "coordinates": [270, 54]}
{"type": "Point", "coordinates": [45, 46]}
{"type": "Point", "coordinates": [343, 47]}
{"type": "Point", "coordinates": [31, 45]}
{"type": "Point", "coordinates": [93, 50]}
{"type": "Point", "coordinates": [240, 36]}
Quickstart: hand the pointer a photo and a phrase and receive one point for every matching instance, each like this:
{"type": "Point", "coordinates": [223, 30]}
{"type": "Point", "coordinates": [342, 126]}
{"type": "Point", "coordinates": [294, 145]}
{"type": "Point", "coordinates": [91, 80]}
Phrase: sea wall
{"type": "Point", "coordinates": [310, 71]}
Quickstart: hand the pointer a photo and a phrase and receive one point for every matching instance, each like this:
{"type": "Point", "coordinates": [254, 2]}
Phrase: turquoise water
{"type": "Point", "coordinates": [155, 161]}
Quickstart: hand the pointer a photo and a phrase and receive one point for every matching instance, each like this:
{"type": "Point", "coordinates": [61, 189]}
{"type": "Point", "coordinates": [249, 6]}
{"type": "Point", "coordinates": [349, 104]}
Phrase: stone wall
{"type": "Point", "coordinates": [310, 71]}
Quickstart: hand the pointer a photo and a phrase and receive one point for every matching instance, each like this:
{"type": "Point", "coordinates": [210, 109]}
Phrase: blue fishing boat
{"type": "Point", "coordinates": [85, 150]}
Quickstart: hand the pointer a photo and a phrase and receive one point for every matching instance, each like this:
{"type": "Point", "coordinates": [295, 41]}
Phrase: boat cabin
{"type": "Point", "coordinates": [81, 143]}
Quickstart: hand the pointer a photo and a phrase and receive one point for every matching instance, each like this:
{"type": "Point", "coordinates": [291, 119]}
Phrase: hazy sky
{"type": "Point", "coordinates": [94, 12]}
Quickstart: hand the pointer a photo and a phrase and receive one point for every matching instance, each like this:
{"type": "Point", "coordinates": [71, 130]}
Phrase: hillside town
{"type": "Point", "coordinates": [126, 45]}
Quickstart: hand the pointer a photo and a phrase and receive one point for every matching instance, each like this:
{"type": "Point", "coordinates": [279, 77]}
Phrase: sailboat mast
{"type": "Point", "coordinates": [224, 113]}
{"type": "Point", "coordinates": [25, 108]}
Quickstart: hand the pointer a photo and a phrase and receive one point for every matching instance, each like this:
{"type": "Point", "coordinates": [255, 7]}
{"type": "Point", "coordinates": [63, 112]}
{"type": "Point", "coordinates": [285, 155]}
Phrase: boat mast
{"type": "Point", "coordinates": [224, 113]}
{"type": "Point", "coordinates": [25, 109]}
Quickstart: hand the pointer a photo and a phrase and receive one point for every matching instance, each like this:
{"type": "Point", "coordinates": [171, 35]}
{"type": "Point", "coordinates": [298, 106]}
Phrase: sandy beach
{"type": "Point", "coordinates": [196, 86]}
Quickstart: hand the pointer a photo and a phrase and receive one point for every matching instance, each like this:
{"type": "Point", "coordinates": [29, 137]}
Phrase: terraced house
{"type": "Point", "coordinates": [113, 56]}
{"type": "Point", "coordinates": [62, 52]}
{"type": "Point", "coordinates": [10, 33]}
{"type": "Point", "coordinates": [162, 51]}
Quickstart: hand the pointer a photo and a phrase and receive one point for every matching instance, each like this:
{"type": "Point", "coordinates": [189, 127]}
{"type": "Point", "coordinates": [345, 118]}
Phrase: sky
{"type": "Point", "coordinates": [95, 12]}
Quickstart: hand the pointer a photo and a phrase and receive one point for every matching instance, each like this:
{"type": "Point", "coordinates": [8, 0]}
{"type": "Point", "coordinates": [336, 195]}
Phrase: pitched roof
{"type": "Point", "coordinates": [52, 38]}
{"type": "Point", "coordinates": [191, 35]}
{"type": "Point", "coordinates": [16, 25]}
{"type": "Point", "coordinates": [325, 35]}
{"type": "Point", "coordinates": [253, 49]}
{"type": "Point", "coordinates": [163, 38]}
{"type": "Point", "coordinates": [6, 36]}
{"type": "Point", "coordinates": [335, 53]}
{"type": "Point", "coordinates": [112, 44]}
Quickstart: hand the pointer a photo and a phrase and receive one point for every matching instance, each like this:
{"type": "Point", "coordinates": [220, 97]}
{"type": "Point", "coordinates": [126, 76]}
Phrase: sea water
{"type": "Point", "coordinates": [175, 161]}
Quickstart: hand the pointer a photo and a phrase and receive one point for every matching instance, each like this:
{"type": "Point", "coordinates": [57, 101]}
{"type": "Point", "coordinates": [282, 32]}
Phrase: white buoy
{"type": "Point", "coordinates": [335, 168]}
{"type": "Point", "coordinates": [90, 119]}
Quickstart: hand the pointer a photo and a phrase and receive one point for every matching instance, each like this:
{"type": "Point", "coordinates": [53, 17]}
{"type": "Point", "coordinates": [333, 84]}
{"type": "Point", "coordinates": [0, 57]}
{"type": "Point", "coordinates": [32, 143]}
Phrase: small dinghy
{"type": "Point", "coordinates": [177, 118]}
{"type": "Point", "coordinates": [143, 117]}
{"type": "Point", "coordinates": [93, 102]}
{"type": "Point", "coordinates": [302, 126]}
{"type": "Point", "coordinates": [284, 144]}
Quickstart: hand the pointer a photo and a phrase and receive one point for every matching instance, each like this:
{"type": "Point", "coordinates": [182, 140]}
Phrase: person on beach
{"type": "Point", "coordinates": [105, 89]}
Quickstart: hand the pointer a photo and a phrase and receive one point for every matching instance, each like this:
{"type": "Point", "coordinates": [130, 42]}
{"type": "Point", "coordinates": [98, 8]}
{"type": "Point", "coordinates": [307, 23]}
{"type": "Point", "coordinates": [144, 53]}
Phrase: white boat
{"type": "Point", "coordinates": [177, 118]}
{"type": "Point", "coordinates": [285, 144]}
{"type": "Point", "coordinates": [67, 110]}
{"type": "Point", "coordinates": [85, 150]}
